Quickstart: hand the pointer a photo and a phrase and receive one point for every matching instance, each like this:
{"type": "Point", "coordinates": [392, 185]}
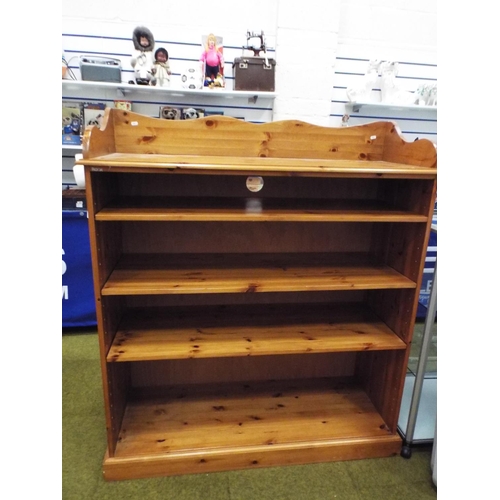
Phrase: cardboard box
{"type": "Point", "coordinates": [93, 113]}
{"type": "Point", "coordinates": [252, 73]}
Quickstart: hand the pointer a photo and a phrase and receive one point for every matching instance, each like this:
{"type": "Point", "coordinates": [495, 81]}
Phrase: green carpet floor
{"type": "Point", "coordinates": [83, 447]}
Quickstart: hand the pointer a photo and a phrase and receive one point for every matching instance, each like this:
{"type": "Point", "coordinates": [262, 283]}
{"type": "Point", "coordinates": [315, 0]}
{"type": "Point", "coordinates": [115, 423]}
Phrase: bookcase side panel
{"type": "Point", "coordinates": [395, 309]}
{"type": "Point", "coordinates": [381, 374]}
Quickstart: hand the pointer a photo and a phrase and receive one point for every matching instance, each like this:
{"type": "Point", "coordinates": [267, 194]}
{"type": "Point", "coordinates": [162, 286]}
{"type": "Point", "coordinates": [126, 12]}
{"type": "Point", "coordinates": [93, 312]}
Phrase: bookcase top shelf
{"type": "Point", "coordinates": [220, 144]}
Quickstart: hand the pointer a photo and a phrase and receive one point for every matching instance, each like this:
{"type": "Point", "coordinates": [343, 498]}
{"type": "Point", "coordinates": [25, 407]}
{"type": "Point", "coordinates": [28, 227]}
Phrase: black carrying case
{"type": "Point", "coordinates": [252, 73]}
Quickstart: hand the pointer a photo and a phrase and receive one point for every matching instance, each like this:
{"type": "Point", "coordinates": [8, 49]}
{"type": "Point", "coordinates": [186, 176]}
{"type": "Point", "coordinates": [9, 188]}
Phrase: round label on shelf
{"type": "Point", "coordinates": [255, 184]}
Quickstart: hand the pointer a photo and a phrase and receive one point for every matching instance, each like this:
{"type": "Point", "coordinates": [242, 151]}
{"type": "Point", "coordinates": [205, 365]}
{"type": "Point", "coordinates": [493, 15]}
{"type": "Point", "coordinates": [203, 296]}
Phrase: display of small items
{"type": "Point", "coordinates": [152, 67]}
{"type": "Point", "coordinates": [151, 64]}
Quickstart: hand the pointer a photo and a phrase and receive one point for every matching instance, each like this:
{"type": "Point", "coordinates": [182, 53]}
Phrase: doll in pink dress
{"type": "Point", "coordinates": [212, 61]}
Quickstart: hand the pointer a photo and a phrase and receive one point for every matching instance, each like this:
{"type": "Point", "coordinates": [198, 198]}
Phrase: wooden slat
{"type": "Point", "coordinates": [253, 209]}
{"type": "Point", "coordinates": [201, 332]}
{"type": "Point", "coordinates": [138, 274]}
{"type": "Point", "coordinates": [191, 420]}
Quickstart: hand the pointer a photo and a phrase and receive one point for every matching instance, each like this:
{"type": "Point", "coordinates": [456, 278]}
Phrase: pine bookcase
{"type": "Point", "coordinates": [256, 288]}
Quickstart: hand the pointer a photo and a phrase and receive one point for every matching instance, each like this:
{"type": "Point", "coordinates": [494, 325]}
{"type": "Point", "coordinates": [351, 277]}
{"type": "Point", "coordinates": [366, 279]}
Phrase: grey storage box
{"type": "Point", "coordinates": [252, 73]}
{"type": "Point", "coordinates": [100, 69]}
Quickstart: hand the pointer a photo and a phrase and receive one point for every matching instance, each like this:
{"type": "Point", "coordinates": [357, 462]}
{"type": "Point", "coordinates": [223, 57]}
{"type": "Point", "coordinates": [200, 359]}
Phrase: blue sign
{"type": "Point", "coordinates": [428, 275]}
{"type": "Point", "coordinates": [78, 304]}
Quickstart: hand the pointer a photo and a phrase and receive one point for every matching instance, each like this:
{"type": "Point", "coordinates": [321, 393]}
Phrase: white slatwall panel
{"type": "Point", "coordinates": [68, 160]}
{"type": "Point", "coordinates": [413, 122]}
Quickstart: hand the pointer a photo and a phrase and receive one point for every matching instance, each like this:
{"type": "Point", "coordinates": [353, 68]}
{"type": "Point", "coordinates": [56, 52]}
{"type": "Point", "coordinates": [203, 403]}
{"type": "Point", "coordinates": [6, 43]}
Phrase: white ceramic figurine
{"type": "Point", "coordinates": [361, 93]}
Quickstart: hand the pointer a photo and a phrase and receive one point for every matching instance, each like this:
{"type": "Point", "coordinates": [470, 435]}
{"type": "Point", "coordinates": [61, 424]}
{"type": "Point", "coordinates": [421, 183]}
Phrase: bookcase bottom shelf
{"type": "Point", "coordinates": [207, 428]}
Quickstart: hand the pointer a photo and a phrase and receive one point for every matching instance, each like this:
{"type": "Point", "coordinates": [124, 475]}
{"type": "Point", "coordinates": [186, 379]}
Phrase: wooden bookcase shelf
{"type": "Point", "coordinates": [246, 420]}
{"type": "Point", "coordinates": [241, 210]}
{"type": "Point", "coordinates": [148, 274]}
{"type": "Point", "coordinates": [242, 328]}
{"type": "Point", "coordinates": [221, 331]}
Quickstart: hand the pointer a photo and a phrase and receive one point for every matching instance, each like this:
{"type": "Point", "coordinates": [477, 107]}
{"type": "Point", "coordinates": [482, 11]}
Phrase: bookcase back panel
{"type": "Point", "coordinates": [351, 296]}
{"type": "Point", "coordinates": [236, 186]}
{"type": "Point", "coordinates": [241, 369]}
{"type": "Point", "coordinates": [232, 237]}
{"type": "Point", "coordinates": [413, 195]}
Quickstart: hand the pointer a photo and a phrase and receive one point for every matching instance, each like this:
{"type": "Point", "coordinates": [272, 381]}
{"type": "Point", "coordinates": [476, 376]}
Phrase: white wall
{"type": "Point", "coordinates": [306, 44]}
